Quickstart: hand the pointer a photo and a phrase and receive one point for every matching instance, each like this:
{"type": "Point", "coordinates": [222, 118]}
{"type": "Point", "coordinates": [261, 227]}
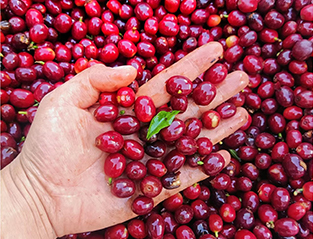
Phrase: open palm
{"type": "Point", "coordinates": [66, 169]}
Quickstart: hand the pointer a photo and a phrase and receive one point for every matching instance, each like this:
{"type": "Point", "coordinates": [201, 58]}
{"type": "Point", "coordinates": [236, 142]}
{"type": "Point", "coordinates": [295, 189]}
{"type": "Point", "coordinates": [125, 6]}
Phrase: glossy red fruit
{"type": "Point", "coordinates": [132, 149]}
{"type": "Point", "coordinates": [216, 74]}
{"type": "Point", "coordinates": [193, 127]}
{"type": "Point", "coordinates": [192, 192]}
{"type": "Point", "coordinates": [296, 211]}
{"type": "Point", "coordinates": [127, 48]}
{"type": "Point", "coordinates": [204, 145]}
{"type": "Point", "coordinates": [308, 190]}
{"type": "Point", "coordinates": [144, 109]}
{"type": "Point", "coordinates": [151, 186]}
{"type": "Point", "coordinates": [125, 96]}
{"type": "Point", "coordinates": [110, 142]}
{"type": "Point", "coordinates": [174, 160]}
{"type": "Point", "coordinates": [137, 229]}
{"type": "Point", "coordinates": [186, 145]}
{"type": "Point", "coordinates": [213, 164]}
{"type": "Point", "coordinates": [117, 231]}
{"type": "Point", "coordinates": [210, 119]}
{"type": "Point", "coordinates": [156, 167]}
{"type": "Point", "coordinates": [123, 188]}
{"type": "Point", "coordinates": [286, 227]}
{"type": "Point", "coordinates": [173, 202]}
{"type": "Point", "coordinates": [204, 93]}
{"type": "Point", "coordinates": [184, 214]}
{"type": "Point", "coordinates": [174, 131]}
{"type": "Point", "coordinates": [184, 232]}
{"type": "Point", "coordinates": [114, 165]}
{"type": "Point", "coordinates": [155, 226]}
{"type": "Point", "coordinates": [142, 205]}
{"type": "Point", "coordinates": [21, 98]}
{"type": "Point", "coordinates": [135, 170]}
{"type": "Point", "coordinates": [244, 234]}
{"type": "Point", "coordinates": [63, 23]}
{"type": "Point", "coordinates": [228, 213]}
{"type": "Point", "coordinates": [106, 112]}
{"type": "Point", "coordinates": [178, 86]}
{"type": "Point", "coordinates": [215, 223]}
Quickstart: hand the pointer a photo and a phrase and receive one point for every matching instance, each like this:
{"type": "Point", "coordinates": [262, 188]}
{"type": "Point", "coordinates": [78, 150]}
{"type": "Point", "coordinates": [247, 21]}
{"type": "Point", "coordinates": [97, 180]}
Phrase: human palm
{"type": "Point", "coordinates": [65, 167]}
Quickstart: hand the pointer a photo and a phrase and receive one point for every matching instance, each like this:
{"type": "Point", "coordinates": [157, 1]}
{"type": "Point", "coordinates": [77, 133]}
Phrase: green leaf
{"type": "Point", "coordinates": [160, 121]}
{"type": "Point", "coordinates": [234, 154]}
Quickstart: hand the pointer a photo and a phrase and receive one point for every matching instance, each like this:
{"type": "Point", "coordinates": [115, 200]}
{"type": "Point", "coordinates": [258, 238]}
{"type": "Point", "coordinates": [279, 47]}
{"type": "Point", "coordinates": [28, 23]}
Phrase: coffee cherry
{"type": "Point", "coordinates": [110, 142]}
{"type": "Point", "coordinates": [114, 165]}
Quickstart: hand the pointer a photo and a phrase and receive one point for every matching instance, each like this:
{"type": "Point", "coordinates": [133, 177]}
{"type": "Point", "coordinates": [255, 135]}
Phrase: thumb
{"type": "Point", "coordinates": [83, 90]}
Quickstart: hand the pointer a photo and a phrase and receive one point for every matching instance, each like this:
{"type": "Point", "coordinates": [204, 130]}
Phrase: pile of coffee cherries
{"type": "Point", "coordinates": [177, 134]}
{"type": "Point", "coordinates": [268, 182]}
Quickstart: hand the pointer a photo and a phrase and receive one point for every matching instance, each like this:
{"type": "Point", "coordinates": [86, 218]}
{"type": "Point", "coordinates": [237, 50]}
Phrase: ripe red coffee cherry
{"type": "Point", "coordinates": [215, 223]}
{"type": "Point", "coordinates": [117, 231]}
{"type": "Point", "coordinates": [106, 112]}
{"type": "Point", "coordinates": [132, 149]}
{"type": "Point", "coordinates": [286, 227]}
{"type": "Point", "coordinates": [174, 131]}
{"type": "Point", "coordinates": [155, 226]}
{"type": "Point", "coordinates": [156, 167]}
{"type": "Point", "coordinates": [186, 145]}
{"type": "Point", "coordinates": [110, 142]}
{"type": "Point", "coordinates": [204, 93]}
{"type": "Point", "coordinates": [127, 48]}
{"type": "Point", "coordinates": [135, 170]}
{"type": "Point", "coordinates": [184, 214]}
{"type": "Point", "coordinates": [125, 96]}
{"type": "Point", "coordinates": [213, 164]}
{"type": "Point", "coordinates": [137, 229]}
{"type": "Point", "coordinates": [184, 232]}
{"type": "Point", "coordinates": [193, 127]}
{"type": "Point", "coordinates": [144, 109]}
{"type": "Point", "coordinates": [244, 233]}
{"type": "Point", "coordinates": [210, 119]}
{"type": "Point", "coordinates": [192, 192]}
{"type": "Point", "coordinates": [114, 165]}
{"type": "Point", "coordinates": [227, 213]}
{"type": "Point", "coordinates": [142, 205]}
{"type": "Point", "coordinates": [174, 160]}
{"type": "Point", "coordinates": [21, 98]}
{"type": "Point", "coordinates": [280, 199]}
{"type": "Point", "coordinates": [296, 211]}
{"type": "Point", "coordinates": [151, 186]}
{"type": "Point", "coordinates": [216, 74]}
{"type": "Point", "coordinates": [205, 146]}
{"type": "Point", "coordinates": [178, 86]}
{"type": "Point", "coordinates": [123, 188]}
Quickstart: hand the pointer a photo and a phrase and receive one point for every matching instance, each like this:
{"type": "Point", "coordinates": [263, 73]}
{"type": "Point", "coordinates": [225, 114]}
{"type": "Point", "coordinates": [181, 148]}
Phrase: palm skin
{"type": "Point", "coordinates": [65, 168]}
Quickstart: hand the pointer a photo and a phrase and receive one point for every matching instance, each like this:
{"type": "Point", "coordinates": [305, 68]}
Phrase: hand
{"type": "Point", "coordinates": [64, 170]}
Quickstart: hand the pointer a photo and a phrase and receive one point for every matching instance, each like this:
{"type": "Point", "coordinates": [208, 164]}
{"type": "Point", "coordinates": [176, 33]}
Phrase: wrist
{"type": "Point", "coordinates": [22, 213]}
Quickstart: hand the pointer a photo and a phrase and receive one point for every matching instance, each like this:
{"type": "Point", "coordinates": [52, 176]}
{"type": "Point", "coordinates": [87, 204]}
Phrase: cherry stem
{"type": "Point", "coordinates": [110, 181]}
{"type": "Point", "coordinates": [216, 234]}
{"type": "Point", "coordinates": [200, 163]}
{"type": "Point", "coordinates": [1, 54]}
{"type": "Point", "coordinates": [297, 191]}
{"type": "Point", "coordinates": [40, 62]}
{"type": "Point", "coordinates": [22, 139]}
{"type": "Point", "coordinates": [226, 16]}
{"type": "Point", "coordinates": [89, 37]}
{"type": "Point", "coordinates": [22, 112]}
{"type": "Point", "coordinates": [122, 112]}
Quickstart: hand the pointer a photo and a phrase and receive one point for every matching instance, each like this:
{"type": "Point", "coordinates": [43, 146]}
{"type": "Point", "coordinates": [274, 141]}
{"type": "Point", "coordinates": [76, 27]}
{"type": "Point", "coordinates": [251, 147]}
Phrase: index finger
{"type": "Point", "coordinates": [191, 66]}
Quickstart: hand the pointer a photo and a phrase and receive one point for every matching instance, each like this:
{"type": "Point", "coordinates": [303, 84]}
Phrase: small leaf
{"type": "Point", "coordinates": [161, 121]}
{"type": "Point", "coordinates": [234, 154]}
